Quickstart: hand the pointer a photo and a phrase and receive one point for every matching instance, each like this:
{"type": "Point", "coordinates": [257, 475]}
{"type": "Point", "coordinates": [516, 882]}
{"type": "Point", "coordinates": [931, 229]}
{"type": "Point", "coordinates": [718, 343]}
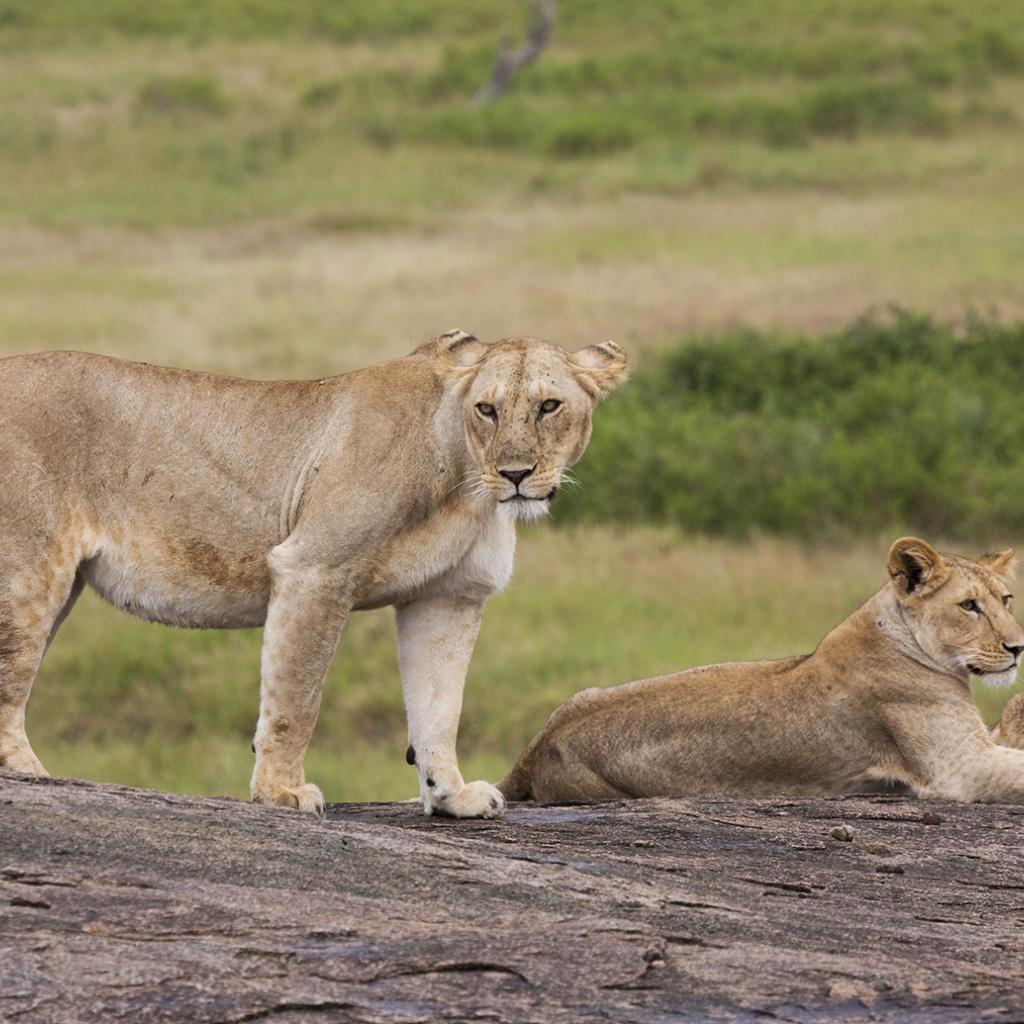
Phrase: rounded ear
{"type": "Point", "coordinates": [915, 566]}
{"type": "Point", "coordinates": [459, 349]}
{"type": "Point", "coordinates": [600, 368]}
{"type": "Point", "coordinates": [1001, 563]}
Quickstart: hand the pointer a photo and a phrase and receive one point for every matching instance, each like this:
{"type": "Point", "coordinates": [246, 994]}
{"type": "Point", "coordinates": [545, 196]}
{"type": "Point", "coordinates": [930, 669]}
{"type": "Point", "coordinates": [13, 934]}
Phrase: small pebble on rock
{"type": "Point", "coordinates": [843, 833]}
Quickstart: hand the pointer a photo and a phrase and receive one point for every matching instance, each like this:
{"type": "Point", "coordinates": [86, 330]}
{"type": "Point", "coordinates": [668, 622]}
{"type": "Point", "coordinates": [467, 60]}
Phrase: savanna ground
{"type": "Point", "coordinates": [273, 189]}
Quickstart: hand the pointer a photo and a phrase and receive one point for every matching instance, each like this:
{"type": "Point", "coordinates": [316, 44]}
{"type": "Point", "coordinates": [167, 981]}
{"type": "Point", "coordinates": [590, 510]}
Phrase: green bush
{"type": "Point", "coordinates": [903, 426]}
{"type": "Point", "coordinates": [848, 108]}
{"type": "Point", "coordinates": [324, 93]}
{"type": "Point", "coordinates": [587, 134]}
{"type": "Point", "coordinates": [779, 124]}
{"type": "Point", "coordinates": [183, 94]}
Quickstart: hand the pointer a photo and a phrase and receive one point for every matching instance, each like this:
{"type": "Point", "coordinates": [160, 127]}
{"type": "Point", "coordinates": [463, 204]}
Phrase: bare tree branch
{"type": "Point", "coordinates": [538, 36]}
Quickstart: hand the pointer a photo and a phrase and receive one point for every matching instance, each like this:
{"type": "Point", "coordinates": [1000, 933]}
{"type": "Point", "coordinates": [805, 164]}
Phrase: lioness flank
{"type": "Point", "coordinates": [212, 502]}
{"type": "Point", "coordinates": [884, 697]}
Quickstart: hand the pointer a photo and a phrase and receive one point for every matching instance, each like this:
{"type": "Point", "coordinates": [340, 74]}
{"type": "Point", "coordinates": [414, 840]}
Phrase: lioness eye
{"type": "Point", "coordinates": [970, 605]}
{"type": "Point", "coordinates": [486, 409]}
{"type": "Point", "coordinates": [1007, 598]}
{"type": "Point", "coordinates": [549, 405]}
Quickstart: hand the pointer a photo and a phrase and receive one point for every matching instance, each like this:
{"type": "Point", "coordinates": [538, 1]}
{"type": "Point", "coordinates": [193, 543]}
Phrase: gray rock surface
{"type": "Point", "coordinates": [137, 906]}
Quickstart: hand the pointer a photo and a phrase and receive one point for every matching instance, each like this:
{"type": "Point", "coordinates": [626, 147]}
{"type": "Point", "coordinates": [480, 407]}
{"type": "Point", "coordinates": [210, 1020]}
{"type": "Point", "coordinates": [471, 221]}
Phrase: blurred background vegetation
{"type": "Point", "coordinates": [804, 220]}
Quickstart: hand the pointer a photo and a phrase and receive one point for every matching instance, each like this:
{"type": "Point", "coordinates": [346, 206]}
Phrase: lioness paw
{"type": "Point", "coordinates": [474, 800]}
{"type": "Point", "coordinates": [21, 759]}
{"type": "Point", "coordinates": [306, 798]}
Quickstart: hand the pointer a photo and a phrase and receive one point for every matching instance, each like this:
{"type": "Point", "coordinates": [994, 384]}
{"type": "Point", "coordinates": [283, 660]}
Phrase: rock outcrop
{"type": "Point", "coordinates": [136, 906]}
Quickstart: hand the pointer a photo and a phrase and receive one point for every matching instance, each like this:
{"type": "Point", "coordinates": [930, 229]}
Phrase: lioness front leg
{"type": "Point", "coordinates": [966, 765]}
{"type": "Point", "coordinates": [994, 774]}
{"type": "Point", "coordinates": [436, 636]}
{"type": "Point", "coordinates": [308, 610]}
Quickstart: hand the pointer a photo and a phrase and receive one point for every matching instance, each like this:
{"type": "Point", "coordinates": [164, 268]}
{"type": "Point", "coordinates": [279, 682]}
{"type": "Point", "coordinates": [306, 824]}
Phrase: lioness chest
{"type": "Point", "coordinates": [455, 552]}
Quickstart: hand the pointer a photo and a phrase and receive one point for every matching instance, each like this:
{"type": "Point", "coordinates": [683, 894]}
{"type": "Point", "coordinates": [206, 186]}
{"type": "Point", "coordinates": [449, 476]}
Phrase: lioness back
{"type": "Point", "coordinates": [180, 481]}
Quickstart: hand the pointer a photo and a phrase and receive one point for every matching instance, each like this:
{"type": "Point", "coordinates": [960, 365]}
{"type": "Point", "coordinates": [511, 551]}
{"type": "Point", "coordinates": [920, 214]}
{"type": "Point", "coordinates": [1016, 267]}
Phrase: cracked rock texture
{"type": "Point", "coordinates": [126, 905]}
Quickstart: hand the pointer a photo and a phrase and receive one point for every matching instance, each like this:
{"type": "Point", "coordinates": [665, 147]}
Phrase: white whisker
{"type": "Point", "coordinates": [462, 481]}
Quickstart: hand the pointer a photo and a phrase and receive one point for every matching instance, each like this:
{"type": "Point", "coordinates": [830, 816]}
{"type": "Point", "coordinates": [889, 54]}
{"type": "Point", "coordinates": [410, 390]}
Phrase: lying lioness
{"type": "Point", "coordinates": [884, 697]}
{"type": "Point", "coordinates": [211, 502]}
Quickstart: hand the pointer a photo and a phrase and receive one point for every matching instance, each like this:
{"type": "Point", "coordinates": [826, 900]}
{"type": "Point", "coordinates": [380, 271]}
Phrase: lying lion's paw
{"type": "Point", "coordinates": [303, 798]}
{"type": "Point", "coordinates": [474, 800]}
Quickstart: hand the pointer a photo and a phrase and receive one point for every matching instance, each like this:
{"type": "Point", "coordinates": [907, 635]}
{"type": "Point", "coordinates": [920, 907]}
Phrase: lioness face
{"type": "Point", "coordinates": [527, 407]}
{"type": "Point", "coordinates": [960, 609]}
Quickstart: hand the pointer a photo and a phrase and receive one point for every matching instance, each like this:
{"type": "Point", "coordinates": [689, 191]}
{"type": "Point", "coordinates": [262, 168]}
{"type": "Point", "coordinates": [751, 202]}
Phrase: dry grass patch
{"type": "Point", "coordinates": [307, 297]}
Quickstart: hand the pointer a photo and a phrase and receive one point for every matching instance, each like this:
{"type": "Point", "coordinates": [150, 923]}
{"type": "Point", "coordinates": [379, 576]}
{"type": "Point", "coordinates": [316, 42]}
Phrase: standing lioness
{"type": "Point", "coordinates": [211, 502]}
{"type": "Point", "coordinates": [884, 696]}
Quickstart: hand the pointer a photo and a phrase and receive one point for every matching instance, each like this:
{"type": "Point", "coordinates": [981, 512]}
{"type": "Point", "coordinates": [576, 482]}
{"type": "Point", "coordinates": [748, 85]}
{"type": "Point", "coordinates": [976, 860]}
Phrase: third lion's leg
{"type": "Point", "coordinates": [305, 618]}
{"type": "Point", "coordinates": [957, 759]}
{"type": "Point", "coordinates": [436, 637]}
{"type": "Point", "coordinates": [993, 774]}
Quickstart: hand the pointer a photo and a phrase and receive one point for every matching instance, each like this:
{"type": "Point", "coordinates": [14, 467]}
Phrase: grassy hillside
{"type": "Point", "coordinates": [281, 188]}
{"type": "Point", "coordinates": [247, 186]}
{"type": "Point", "coordinates": [181, 112]}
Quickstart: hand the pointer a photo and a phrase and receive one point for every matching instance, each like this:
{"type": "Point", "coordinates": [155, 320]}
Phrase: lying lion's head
{"type": "Point", "coordinates": [527, 406]}
{"type": "Point", "coordinates": [959, 609]}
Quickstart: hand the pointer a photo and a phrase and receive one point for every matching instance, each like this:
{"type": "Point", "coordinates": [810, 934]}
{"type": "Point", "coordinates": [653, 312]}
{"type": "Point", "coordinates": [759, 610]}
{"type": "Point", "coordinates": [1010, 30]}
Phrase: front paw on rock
{"type": "Point", "coordinates": [306, 798]}
{"type": "Point", "coordinates": [474, 800]}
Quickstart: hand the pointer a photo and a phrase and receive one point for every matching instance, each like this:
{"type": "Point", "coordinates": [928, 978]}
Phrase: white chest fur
{"type": "Point", "coordinates": [459, 553]}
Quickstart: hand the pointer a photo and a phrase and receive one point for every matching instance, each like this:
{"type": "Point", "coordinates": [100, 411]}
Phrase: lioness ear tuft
{"type": "Point", "coordinates": [915, 566]}
{"type": "Point", "coordinates": [1002, 563]}
{"type": "Point", "coordinates": [601, 368]}
{"type": "Point", "coordinates": [459, 348]}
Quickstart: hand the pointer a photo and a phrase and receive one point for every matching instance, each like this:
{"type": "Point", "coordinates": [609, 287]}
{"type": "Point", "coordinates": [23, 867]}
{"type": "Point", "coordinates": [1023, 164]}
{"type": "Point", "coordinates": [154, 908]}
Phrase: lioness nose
{"type": "Point", "coordinates": [1014, 649]}
{"type": "Point", "coordinates": [517, 476]}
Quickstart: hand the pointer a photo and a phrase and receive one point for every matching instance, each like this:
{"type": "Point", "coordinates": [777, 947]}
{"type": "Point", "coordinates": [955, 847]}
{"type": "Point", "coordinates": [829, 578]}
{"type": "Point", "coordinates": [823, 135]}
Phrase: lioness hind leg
{"type": "Point", "coordinates": [32, 607]}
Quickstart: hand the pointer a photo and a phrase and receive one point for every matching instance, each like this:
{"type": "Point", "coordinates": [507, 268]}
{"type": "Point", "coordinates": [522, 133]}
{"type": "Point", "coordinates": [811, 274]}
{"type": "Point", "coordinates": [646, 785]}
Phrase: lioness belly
{"type": "Point", "coordinates": [228, 594]}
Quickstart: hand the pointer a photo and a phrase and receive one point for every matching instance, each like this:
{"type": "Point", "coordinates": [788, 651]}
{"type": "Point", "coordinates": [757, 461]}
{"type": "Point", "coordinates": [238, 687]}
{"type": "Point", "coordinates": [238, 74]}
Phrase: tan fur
{"type": "Point", "coordinates": [212, 502]}
{"type": "Point", "coordinates": [1009, 731]}
{"type": "Point", "coordinates": [884, 697]}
